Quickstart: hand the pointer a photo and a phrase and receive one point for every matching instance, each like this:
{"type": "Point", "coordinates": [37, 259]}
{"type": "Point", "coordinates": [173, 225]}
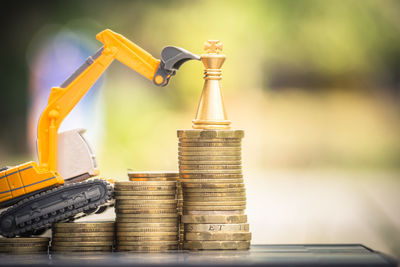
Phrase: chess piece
{"type": "Point", "coordinates": [211, 112]}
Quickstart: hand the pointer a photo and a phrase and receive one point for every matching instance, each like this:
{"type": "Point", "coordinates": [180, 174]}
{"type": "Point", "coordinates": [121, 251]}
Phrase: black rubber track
{"type": "Point", "coordinates": [55, 205]}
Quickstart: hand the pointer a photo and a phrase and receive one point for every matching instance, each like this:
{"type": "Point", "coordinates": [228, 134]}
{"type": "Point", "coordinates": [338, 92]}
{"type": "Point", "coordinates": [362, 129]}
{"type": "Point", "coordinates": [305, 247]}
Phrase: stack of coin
{"type": "Point", "coordinates": [213, 190]}
{"type": "Point", "coordinates": [27, 245]}
{"type": "Point", "coordinates": [163, 176]}
{"type": "Point", "coordinates": [180, 212]}
{"type": "Point", "coordinates": [146, 215]}
{"type": "Point", "coordinates": [83, 237]}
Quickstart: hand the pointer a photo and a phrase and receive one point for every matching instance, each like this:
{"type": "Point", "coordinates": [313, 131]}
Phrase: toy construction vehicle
{"type": "Point", "coordinates": [55, 190]}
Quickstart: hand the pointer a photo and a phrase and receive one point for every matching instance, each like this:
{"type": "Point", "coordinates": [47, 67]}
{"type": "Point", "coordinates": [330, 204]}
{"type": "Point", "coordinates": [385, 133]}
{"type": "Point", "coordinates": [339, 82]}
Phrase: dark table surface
{"type": "Point", "coordinates": [258, 255]}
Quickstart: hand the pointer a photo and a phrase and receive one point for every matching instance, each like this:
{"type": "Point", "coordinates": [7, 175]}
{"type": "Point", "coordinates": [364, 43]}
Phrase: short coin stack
{"type": "Point", "coordinates": [28, 245]}
{"type": "Point", "coordinates": [146, 215]}
{"type": "Point", "coordinates": [163, 176]}
{"type": "Point", "coordinates": [83, 237]}
{"type": "Point", "coordinates": [213, 190]}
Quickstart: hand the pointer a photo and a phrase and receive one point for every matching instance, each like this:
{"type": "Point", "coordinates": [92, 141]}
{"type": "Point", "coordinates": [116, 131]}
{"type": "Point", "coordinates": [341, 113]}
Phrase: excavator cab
{"type": "Point", "coordinates": [66, 159]}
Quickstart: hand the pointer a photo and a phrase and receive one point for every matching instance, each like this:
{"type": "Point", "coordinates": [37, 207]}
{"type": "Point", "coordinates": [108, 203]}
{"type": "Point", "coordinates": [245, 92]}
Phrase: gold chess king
{"type": "Point", "coordinates": [211, 112]}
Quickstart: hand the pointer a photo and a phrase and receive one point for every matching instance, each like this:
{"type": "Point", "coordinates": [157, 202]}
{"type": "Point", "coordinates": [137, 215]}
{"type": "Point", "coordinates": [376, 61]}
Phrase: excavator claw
{"type": "Point", "coordinates": [172, 58]}
{"type": "Point", "coordinates": [38, 212]}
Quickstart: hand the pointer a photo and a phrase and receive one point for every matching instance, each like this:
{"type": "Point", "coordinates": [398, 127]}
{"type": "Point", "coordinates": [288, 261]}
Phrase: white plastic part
{"type": "Point", "coordinates": [75, 156]}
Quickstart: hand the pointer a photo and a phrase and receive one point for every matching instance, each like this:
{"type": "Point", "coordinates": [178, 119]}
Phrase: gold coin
{"type": "Point", "coordinates": [83, 239]}
{"type": "Point", "coordinates": [170, 218]}
{"type": "Point", "coordinates": [147, 234]}
{"type": "Point", "coordinates": [153, 174]}
{"type": "Point", "coordinates": [214, 195]}
{"type": "Point", "coordinates": [234, 180]}
{"type": "Point", "coordinates": [209, 149]}
{"type": "Point", "coordinates": [239, 245]}
{"type": "Point", "coordinates": [168, 215]}
{"type": "Point", "coordinates": [214, 203]}
{"type": "Point", "coordinates": [197, 227]}
{"type": "Point", "coordinates": [209, 167]}
{"type": "Point", "coordinates": [140, 179]}
{"type": "Point", "coordinates": [138, 185]}
{"type": "Point", "coordinates": [212, 219]}
{"type": "Point", "coordinates": [146, 202]}
{"type": "Point", "coordinates": [213, 212]}
{"type": "Point", "coordinates": [154, 225]}
{"type": "Point", "coordinates": [214, 190]}
{"type": "Point", "coordinates": [146, 220]}
{"type": "Point", "coordinates": [130, 184]}
{"type": "Point", "coordinates": [129, 196]}
{"type": "Point", "coordinates": [210, 140]}
{"type": "Point", "coordinates": [235, 153]}
{"type": "Point", "coordinates": [146, 188]}
{"type": "Point", "coordinates": [74, 225]}
{"type": "Point", "coordinates": [147, 243]}
{"type": "Point", "coordinates": [30, 240]}
{"type": "Point", "coordinates": [209, 144]}
{"type": "Point", "coordinates": [73, 235]}
{"type": "Point", "coordinates": [22, 245]}
{"type": "Point", "coordinates": [150, 202]}
{"type": "Point", "coordinates": [83, 244]}
{"type": "Point", "coordinates": [81, 249]}
{"type": "Point", "coordinates": [150, 189]}
{"type": "Point", "coordinates": [210, 158]}
{"type": "Point", "coordinates": [84, 230]}
{"type": "Point", "coordinates": [209, 162]}
{"type": "Point", "coordinates": [148, 194]}
{"type": "Point", "coordinates": [238, 207]}
{"type": "Point", "coordinates": [210, 133]}
{"type": "Point", "coordinates": [148, 208]}
{"type": "Point", "coordinates": [128, 210]}
{"type": "Point", "coordinates": [211, 199]}
{"type": "Point", "coordinates": [147, 238]}
{"type": "Point", "coordinates": [23, 249]}
{"type": "Point", "coordinates": [78, 256]}
{"type": "Point", "coordinates": [99, 224]}
{"type": "Point", "coordinates": [147, 248]}
{"type": "Point", "coordinates": [212, 236]}
{"type": "Point", "coordinates": [212, 185]}
{"type": "Point", "coordinates": [216, 171]}
{"type": "Point", "coordinates": [147, 229]}
{"type": "Point", "coordinates": [211, 176]}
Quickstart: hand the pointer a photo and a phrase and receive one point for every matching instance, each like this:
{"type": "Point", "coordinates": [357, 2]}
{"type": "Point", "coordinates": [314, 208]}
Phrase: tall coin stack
{"type": "Point", "coordinates": [213, 190]}
{"type": "Point", "coordinates": [163, 176]}
{"type": "Point", "coordinates": [146, 216]}
{"type": "Point", "coordinates": [24, 245]}
{"type": "Point", "coordinates": [214, 197]}
{"type": "Point", "coordinates": [86, 237]}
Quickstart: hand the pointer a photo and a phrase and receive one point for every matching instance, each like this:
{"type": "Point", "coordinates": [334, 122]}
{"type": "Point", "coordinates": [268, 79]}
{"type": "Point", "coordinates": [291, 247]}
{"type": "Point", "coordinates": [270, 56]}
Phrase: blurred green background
{"type": "Point", "coordinates": [314, 84]}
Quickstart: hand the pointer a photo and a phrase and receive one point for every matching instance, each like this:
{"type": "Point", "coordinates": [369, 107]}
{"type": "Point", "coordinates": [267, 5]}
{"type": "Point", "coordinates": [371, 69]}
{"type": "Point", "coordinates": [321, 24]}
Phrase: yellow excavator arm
{"type": "Point", "coordinates": [16, 182]}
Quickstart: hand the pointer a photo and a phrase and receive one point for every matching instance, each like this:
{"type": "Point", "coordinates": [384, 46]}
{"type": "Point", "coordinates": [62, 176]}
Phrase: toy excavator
{"type": "Point", "coordinates": [54, 190]}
